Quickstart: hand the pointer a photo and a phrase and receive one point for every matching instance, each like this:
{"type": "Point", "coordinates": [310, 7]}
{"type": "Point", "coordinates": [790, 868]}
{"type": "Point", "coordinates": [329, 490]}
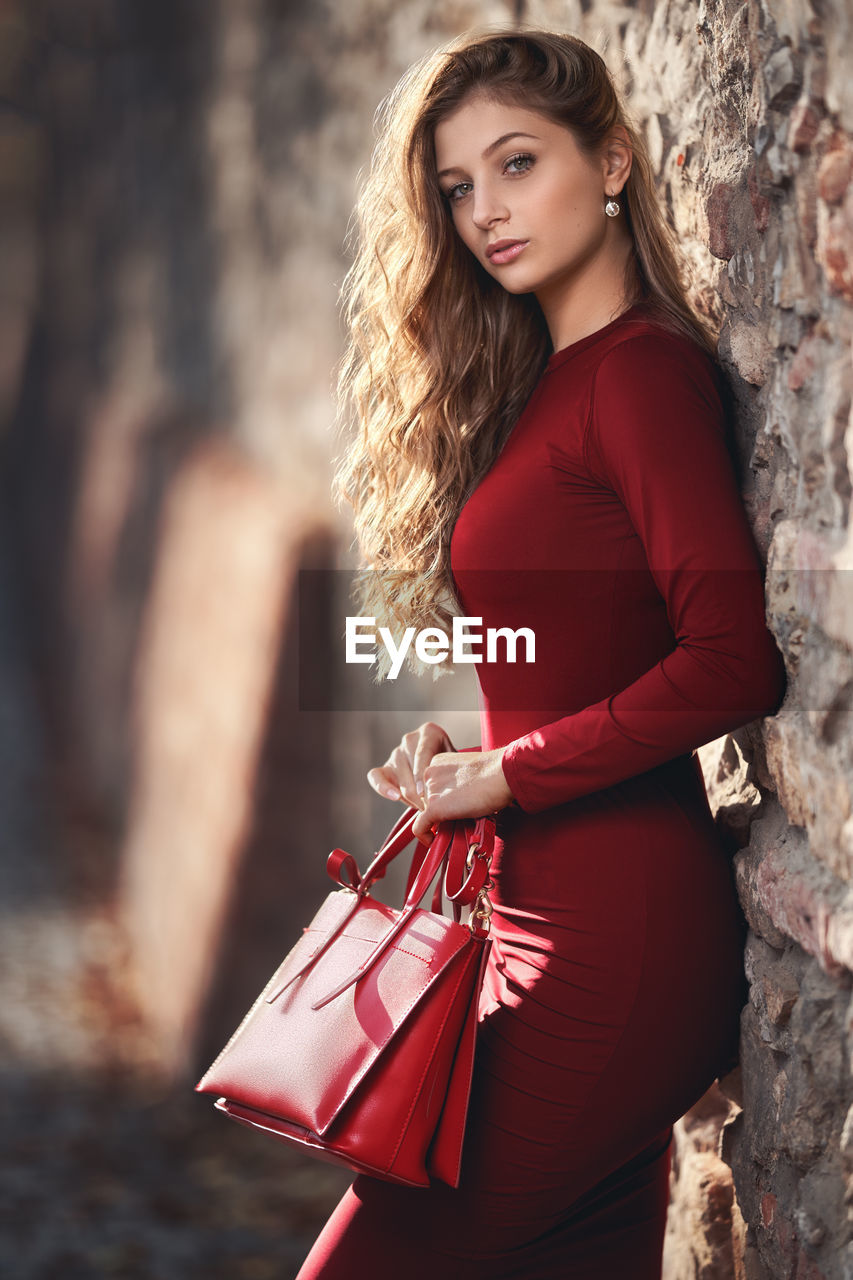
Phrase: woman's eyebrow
{"type": "Point", "coordinates": [493, 146]}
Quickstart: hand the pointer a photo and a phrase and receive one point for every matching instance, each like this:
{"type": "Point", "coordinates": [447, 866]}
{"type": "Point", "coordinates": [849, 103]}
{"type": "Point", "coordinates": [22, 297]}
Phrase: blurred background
{"type": "Point", "coordinates": [177, 181]}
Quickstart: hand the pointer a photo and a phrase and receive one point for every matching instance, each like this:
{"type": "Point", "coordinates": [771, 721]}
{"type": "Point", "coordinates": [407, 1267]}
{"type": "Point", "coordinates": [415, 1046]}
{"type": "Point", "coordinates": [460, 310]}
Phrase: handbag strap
{"type": "Point", "coordinates": [398, 838]}
{"type": "Point", "coordinates": [343, 869]}
{"type": "Point", "coordinates": [460, 889]}
{"type": "Point", "coordinates": [447, 843]}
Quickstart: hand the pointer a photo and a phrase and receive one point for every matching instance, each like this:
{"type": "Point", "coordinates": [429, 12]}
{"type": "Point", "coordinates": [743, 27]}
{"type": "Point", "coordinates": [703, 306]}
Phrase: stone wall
{"type": "Point", "coordinates": [178, 183]}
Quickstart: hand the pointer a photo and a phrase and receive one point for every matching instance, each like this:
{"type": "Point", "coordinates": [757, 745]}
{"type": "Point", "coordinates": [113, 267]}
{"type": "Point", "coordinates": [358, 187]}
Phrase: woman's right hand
{"type": "Point", "coordinates": [402, 774]}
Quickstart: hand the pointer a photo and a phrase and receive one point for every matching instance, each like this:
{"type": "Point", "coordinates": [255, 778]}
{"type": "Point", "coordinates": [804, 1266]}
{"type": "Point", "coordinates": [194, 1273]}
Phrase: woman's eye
{"type": "Point", "coordinates": [523, 159]}
{"type": "Point", "coordinates": [456, 193]}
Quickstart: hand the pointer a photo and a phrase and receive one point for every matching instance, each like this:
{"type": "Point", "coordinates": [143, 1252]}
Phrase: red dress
{"type": "Point", "coordinates": [612, 526]}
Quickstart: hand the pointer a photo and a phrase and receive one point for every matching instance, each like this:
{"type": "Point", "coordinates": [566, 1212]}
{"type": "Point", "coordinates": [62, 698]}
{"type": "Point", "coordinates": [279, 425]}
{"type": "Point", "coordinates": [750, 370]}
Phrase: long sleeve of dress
{"type": "Point", "coordinates": [656, 438]}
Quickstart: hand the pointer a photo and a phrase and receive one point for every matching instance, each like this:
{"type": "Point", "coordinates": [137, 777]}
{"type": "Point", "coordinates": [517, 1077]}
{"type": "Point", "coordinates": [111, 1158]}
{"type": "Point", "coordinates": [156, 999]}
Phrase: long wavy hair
{"type": "Point", "coordinates": [441, 359]}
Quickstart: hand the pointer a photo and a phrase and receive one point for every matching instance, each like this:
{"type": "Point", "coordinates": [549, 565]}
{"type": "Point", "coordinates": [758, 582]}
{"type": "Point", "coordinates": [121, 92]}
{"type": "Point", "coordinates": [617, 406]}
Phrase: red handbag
{"type": "Point", "coordinates": [360, 1048]}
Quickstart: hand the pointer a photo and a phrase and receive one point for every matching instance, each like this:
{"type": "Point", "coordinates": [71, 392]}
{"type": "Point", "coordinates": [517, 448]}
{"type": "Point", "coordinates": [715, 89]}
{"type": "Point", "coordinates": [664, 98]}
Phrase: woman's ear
{"type": "Point", "coordinates": [616, 159]}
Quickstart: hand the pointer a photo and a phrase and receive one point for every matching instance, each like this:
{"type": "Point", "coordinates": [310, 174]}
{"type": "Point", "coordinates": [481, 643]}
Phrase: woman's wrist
{"type": "Point", "coordinates": [510, 802]}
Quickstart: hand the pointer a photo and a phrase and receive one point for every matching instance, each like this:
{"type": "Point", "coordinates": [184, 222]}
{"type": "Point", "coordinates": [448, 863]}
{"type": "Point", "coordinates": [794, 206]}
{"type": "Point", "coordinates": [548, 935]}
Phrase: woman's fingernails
{"type": "Point", "coordinates": [391, 793]}
{"type": "Point", "coordinates": [419, 786]}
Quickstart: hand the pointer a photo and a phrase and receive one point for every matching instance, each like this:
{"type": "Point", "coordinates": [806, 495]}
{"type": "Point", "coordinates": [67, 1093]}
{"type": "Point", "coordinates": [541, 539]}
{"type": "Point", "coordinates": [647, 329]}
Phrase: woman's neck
{"type": "Point", "coordinates": [576, 308]}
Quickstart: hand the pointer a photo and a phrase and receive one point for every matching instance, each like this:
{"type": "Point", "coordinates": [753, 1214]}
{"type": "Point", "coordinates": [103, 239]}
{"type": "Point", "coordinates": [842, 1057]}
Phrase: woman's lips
{"type": "Point", "coordinates": [510, 253]}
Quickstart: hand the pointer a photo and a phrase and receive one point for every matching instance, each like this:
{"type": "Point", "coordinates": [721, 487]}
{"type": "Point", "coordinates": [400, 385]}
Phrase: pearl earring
{"type": "Point", "coordinates": [612, 207]}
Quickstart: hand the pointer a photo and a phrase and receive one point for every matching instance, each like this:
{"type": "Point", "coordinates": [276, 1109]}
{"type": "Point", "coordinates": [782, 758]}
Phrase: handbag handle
{"type": "Point", "coordinates": [398, 838]}
{"type": "Point", "coordinates": [460, 890]}
{"type": "Point", "coordinates": [450, 845]}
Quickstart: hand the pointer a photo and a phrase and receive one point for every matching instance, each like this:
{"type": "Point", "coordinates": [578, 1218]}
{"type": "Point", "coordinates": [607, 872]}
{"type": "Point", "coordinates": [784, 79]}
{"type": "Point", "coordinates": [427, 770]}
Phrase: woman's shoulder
{"type": "Point", "coordinates": [637, 344]}
{"type": "Point", "coordinates": [639, 330]}
{"type": "Point", "coordinates": [644, 352]}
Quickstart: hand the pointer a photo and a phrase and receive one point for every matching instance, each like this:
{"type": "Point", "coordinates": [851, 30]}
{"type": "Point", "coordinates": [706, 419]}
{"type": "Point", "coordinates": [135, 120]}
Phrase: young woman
{"type": "Point", "coordinates": [543, 444]}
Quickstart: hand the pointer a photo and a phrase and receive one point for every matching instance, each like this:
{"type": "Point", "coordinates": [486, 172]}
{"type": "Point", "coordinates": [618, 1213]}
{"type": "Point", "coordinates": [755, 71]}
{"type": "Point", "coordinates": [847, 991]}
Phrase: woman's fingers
{"type": "Point", "coordinates": [463, 785]}
{"type": "Point", "coordinates": [432, 739]}
{"type": "Point", "coordinates": [401, 764]}
{"type": "Point", "coordinates": [401, 777]}
{"type": "Point", "coordinates": [423, 828]}
{"type": "Point", "coordinates": [384, 781]}
{"type": "Point", "coordinates": [394, 779]}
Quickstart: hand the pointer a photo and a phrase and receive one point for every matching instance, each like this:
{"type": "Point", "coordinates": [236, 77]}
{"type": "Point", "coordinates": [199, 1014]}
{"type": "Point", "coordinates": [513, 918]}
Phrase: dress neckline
{"type": "Point", "coordinates": [580, 344]}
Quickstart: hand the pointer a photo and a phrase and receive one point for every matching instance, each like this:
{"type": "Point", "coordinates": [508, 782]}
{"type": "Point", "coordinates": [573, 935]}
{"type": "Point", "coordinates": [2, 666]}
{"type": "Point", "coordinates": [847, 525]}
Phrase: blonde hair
{"type": "Point", "coordinates": [441, 359]}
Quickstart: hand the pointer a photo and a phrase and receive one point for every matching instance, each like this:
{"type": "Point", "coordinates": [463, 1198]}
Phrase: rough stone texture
{"type": "Point", "coordinates": [177, 181]}
{"type": "Point", "coordinates": [699, 1237]}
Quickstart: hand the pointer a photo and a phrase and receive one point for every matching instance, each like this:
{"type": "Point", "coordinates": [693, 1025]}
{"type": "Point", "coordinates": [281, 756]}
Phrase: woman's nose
{"type": "Point", "coordinates": [487, 208]}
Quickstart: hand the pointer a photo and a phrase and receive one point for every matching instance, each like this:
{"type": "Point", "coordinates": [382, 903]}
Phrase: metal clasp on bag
{"type": "Point", "coordinates": [479, 921]}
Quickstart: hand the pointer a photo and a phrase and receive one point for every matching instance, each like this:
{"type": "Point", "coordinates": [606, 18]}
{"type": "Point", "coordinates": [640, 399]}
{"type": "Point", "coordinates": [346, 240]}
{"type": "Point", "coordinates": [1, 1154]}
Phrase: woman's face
{"type": "Point", "coordinates": [511, 174]}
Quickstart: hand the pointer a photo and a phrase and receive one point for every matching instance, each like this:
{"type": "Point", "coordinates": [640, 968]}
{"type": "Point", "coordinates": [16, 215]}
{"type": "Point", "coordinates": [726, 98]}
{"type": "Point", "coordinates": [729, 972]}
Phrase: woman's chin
{"type": "Point", "coordinates": [515, 284]}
